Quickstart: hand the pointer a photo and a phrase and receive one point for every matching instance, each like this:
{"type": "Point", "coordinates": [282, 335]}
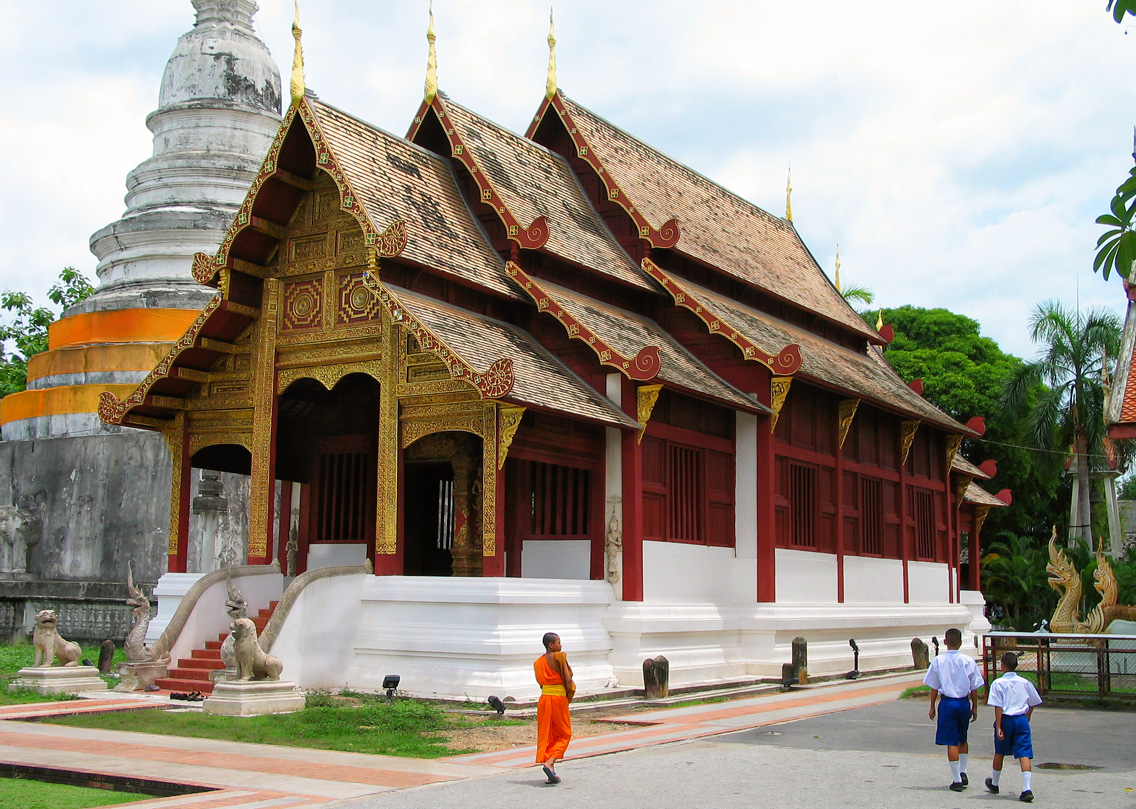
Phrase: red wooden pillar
{"type": "Point", "coordinates": [766, 507]}
{"type": "Point", "coordinates": [840, 521]}
{"type": "Point", "coordinates": [905, 539]}
{"type": "Point", "coordinates": [494, 566]}
{"type": "Point", "coordinates": [515, 514]}
{"type": "Point", "coordinates": [632, 457]}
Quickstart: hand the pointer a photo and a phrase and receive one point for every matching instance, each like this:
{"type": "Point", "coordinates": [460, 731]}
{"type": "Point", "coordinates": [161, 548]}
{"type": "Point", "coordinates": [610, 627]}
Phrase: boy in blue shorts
{"type": "Point", "coordinates": [1013, 699]}
{"type": "Point", "coordinates": [956, 677]}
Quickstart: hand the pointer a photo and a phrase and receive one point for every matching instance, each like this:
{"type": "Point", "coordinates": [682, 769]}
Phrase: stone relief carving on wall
{"type": "Point", "coordinates": [19, 530]}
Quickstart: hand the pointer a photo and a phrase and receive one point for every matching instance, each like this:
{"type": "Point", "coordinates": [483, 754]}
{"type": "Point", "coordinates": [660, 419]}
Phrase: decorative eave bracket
{"type": "Point", "coordinates": [666, 236]}
{"type": "Point", "coordinates": [642, 367]}
{"type": "Point", "coordinates": [646, 396]}
{"type": "Point", "coordinates": [387, 244]}
{"type": "Point", "coordinates": [495, 383]}
{"type": "Point", "coordinates": [845, 413]}
{"type": "Point", "coordinates": [785, 363]}
{"type": "Point", "coordinates": [508, 420]}
{"type": "Point", "coordinates": [779, 391]}
{"type": "Point", "coordinates": [532, 237]}
{"type": "Point", "coordinates": [953, 444]}
{"type": "Point", "coordinates": [907, 430]}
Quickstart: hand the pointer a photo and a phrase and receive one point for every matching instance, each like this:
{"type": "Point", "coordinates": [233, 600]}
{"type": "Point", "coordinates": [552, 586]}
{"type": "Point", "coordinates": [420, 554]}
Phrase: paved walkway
{"type": "Point", "coordinates": [250, 776]}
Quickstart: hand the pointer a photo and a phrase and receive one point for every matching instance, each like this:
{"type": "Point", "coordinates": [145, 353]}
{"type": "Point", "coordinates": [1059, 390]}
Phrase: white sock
{"type": "Point", "coordinates": [1027, 780]}
{"type": "Point", "coordinates": [994, 778]}
{"type": "Point", "coordinates": [956, 770]}
{"type": "Point", "coordinates": [962, 761]}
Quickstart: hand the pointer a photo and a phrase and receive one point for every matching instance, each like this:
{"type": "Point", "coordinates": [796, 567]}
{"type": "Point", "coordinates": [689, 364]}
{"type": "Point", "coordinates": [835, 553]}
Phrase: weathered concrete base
{"type": "Point", "coordinates": [59, 679]}
{"type": "Point", "coordinates": [136, 676]}
{"type": "Point", "coordinates": [254, 698]}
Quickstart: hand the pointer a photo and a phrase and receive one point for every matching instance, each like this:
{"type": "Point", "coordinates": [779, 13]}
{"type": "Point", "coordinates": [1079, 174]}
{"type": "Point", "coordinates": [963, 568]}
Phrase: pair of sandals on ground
{"type": "Point", "coordinates": [192, 696]}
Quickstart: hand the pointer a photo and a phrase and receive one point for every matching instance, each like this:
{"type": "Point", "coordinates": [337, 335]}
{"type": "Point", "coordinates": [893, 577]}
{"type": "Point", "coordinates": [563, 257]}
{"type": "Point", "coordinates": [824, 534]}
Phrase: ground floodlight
{"type": "Point", "coordinates": [390, 683]}
{"type": "Point", "coordinates": [496, 704]}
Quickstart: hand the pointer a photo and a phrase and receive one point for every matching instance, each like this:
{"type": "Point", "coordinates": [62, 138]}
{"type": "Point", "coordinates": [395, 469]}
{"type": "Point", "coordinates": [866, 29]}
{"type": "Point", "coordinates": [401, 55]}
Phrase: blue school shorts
{"type": "Point", "coordinates": [954, 720]}
{"type": "Point", "coordinates": [1018, 742]}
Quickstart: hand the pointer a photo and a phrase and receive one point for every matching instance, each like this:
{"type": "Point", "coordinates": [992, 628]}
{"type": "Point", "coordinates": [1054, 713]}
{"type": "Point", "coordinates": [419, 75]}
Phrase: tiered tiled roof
{"type": "Point", "coordinates": [1122, 398]}
{"type": "Point", "coordinates": [534, 182]}
{"type": "Point", "coordinates": [628, 332]}
{"type": "Point", "coordinates": [541, 380]}
{"type": "Point", "coordinates": [857, 373]}
{"type": "Point", "coordinates": [979, 496]}
{"type": "Point", "coordinates": [716, 227]}
{"type": "Point", "coordinates": [396, 179]}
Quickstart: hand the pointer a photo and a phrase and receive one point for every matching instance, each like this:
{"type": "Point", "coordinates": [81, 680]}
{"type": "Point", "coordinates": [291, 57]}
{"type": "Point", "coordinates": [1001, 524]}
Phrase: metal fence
{"type": "Point", "coordinates": [1061, 664]}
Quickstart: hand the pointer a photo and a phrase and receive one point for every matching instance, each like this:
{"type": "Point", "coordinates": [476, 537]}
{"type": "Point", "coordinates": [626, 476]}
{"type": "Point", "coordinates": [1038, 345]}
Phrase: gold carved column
{"type": "Point", "coordinates": [181, 480]}
{"type": "Point", "coordinates": [262, 484]}
{"type": "Point", "coordinates": [387, 479]}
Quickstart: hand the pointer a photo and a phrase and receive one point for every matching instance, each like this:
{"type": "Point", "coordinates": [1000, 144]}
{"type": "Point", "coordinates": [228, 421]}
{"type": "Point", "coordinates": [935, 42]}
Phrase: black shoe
{"type": "Point", "coordinates": [957, 786]}
{"type": "Point", "coordinates": [1026, 797]}
{"type": "Point", "coordinates": [990, 785]}
{"type": "Point", "coordinates": [965, 780]}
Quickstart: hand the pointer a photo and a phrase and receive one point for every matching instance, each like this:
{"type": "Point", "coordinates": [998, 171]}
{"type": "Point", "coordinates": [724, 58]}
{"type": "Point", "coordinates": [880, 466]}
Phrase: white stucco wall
{"type": "Point", "coordinates": [333, 554]}
{"type": "Point", "coordinates": [314, 642]}
{"type": "Point", "coordinates": [556, 559]}
{"type": "Point", "coordinates": [928, 582]}
{"type": "Point", "coordinates": [805, 577]}
{"type": "Point", "coordinates": [868, 580]}
{"type": "Point", "coordinates": [675, 572]}
{"type": "Point", "coordinates": [745, 487]}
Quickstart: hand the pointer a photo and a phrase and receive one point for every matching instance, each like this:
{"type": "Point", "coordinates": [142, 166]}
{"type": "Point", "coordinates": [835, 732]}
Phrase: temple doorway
{"type": "Point", "coordinates": [441, 500]}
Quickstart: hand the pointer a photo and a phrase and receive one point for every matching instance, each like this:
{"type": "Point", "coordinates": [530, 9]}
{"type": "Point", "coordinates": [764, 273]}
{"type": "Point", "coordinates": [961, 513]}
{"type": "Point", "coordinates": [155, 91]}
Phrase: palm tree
{"type": "Point", "coordinates": [1013, 575]}
{"type": "Point", "coordinates": [859, 294]}
{"type": "Point", "coordinates": [1062, 389]}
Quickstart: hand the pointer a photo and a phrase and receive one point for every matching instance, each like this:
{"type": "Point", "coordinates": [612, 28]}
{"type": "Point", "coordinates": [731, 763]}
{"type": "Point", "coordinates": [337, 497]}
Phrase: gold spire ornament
{"type": "Point", "coordinates": [550, 85]}
{"type": "Point", "coordinates": [297, 61]}
{"type": "Point", "coordinates": [789, 195]}
{"type": "Point", "coordinates": [880, 320]}
{"type": "Point", "coordinates": [838, 289]}
{"type": "Point", "coordinates": [431, 62]}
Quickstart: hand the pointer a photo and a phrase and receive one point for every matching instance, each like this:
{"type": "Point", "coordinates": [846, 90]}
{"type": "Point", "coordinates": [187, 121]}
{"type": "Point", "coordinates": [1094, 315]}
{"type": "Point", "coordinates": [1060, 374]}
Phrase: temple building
{"type": "Point", "coordinates": [559, 381]}
{"type": "Point", "coordinates": [91, 497]}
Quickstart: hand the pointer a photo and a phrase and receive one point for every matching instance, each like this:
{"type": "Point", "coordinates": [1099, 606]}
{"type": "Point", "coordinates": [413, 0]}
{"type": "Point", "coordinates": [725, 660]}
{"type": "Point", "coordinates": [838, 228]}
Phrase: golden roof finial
{"type": "Point", "coordinates": [838, 289]}
{"type": "Point", "coordinates": [297, 61]}
{"type": "Point", "coordinates": [431, 61]}
{"type": "Point", "coordinates": [550, 85]}
{"type": "Point", "coordinates": [789, 194]}
{"type": "Point", "coordinates": [880, 320]}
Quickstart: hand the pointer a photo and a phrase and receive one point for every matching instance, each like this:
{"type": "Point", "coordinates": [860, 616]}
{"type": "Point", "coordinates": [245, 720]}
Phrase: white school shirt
{"type": "Point", "coordinates": [953, 674]}
{"type": "Point", "coordinates": [1013, 694]}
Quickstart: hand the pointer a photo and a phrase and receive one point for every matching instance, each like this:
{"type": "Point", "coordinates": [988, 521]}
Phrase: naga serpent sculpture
{"type": "Point", "coordinates": [1066, 580]}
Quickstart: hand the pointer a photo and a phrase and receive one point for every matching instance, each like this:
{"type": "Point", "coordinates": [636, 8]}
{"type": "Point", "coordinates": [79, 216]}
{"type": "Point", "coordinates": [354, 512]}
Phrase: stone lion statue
{"type": "Point", "coordinates": [50, 645]}
{"type": "Point", "coordinates": [253, 663]}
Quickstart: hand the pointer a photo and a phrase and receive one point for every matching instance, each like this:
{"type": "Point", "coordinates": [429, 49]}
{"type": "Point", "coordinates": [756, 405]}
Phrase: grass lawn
{"type": "Point", "coordinates": [352, 724]}
{"type": "Point", "coordinates": [16, 656]}
{"type": "Point", "coordinates": [24, 793]}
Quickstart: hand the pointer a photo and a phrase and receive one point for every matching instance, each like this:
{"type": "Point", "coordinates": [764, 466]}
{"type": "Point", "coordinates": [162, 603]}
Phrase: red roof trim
{"type": "Point", "coordinates": [642, 367]}
{"type": "Point", "coordinates": [665, 236]}
{"type": "Point", "coordinates": [786, 363]}
{"type": "Point", "coordinates": [533, 237]}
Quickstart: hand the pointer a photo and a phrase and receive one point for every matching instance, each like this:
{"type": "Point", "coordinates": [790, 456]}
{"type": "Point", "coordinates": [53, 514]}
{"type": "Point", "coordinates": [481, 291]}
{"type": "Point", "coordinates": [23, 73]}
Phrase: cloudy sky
{"type": "Point", "coordinates": [959, 152]}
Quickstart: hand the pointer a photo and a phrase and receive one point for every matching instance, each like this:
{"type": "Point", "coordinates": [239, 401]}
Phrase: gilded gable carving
{"type": "Point", "coordinates": [356, 302]}
{"type": "Point", "coordinates": [303, 304]}
{"type": "Point", "coordinates": [308, 248]}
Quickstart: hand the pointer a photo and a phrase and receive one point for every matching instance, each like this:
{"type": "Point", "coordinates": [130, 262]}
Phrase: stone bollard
{"type": "Point", "coordinates": [801, 660]}
{"type": "Point", "coordinates": [656, 677]}
{"type": "Point", "coordinates": [920, 657]}
{"type": "Point", "coordinates": [106, 656]}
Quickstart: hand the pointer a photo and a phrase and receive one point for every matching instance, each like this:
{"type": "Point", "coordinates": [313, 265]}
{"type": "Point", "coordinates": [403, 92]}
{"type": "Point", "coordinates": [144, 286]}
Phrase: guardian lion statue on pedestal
{"type": "Point", "coordinates": [50, 645]}
{"type": "Point", "coordinates": [253, 663]}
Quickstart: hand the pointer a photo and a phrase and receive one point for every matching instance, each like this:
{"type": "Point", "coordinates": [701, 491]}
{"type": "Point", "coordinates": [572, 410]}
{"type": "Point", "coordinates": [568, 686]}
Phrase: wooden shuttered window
{"type": "Point", "coordinates": [560, 499]}
{"type": "Point", "coordinates": [802, 505]}
{"type": "Point", "coordinates": [688, 493]}
{"type": "Point", "coordinates": [871, 517]}
{"type": "Point", "coordinates": [924, 524]}
{"type": "Point", "coordinates": [344, 487]}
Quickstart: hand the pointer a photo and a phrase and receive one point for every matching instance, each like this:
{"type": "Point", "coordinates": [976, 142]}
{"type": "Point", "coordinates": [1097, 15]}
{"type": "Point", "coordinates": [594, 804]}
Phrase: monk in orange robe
{"type": "Point", "coordinates": [553, 722]}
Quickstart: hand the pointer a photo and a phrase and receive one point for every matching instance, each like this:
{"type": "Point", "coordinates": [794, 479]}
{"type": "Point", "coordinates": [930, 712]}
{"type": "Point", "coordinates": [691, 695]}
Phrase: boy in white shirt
{"type": "Point", "coordinates": [1013, 699]}
{"type": "Point", "coordinates": [956, 678]}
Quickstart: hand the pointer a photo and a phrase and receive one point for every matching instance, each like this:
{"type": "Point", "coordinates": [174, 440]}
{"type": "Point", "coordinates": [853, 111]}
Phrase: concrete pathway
{"type": "Point", "coordinates": [250, 776]}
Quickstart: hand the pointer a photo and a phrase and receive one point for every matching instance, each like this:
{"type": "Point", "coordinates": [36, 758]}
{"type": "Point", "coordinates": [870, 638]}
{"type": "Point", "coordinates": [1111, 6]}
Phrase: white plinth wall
{"type": "Point", "coordinates": [460, 638]}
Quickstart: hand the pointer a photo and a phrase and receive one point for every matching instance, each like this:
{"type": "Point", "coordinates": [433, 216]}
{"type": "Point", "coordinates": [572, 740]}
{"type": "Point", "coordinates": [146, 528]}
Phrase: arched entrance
{"type": "Point", "coordinates": [326, 443]}
{"type": "Point", "coordinates": [219, 507]}
{"type": "Point", "coordinates": [442, 506]}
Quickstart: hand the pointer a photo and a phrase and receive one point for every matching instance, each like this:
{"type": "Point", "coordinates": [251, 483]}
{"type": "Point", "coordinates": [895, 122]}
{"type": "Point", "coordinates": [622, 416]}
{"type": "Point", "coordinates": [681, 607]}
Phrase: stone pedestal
{"type": "Point", "coordinates": [253, 698]}
{"type": "Point", "coordinates": [59, 679]}
{"type": "Point", "coordinates": [136, 676]}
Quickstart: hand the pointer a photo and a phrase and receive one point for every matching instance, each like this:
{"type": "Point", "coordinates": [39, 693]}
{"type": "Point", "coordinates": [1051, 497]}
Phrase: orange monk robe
{"type": "Point", "coordinates": [553, 721]}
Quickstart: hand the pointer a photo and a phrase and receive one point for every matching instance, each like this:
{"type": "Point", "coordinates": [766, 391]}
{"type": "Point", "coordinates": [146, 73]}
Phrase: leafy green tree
{"type": "Point", "coordinates": [963, 374]}
{"type": "Point", "coordinates": [1069, 409]}
{"type": "Point", "coordinates": [1121, 7]}
{"type": "Point", "coordinates": [1014, 576]}
{"type": "Point", "coordinates": [25, 327]}
{"type": "Point", "coordinates": [1116, 248]}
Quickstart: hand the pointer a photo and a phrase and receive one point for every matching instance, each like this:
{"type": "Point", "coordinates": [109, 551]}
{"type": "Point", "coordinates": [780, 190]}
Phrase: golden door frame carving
{"type": "Point", "coordinates": [778, 392]}
{"type": "Point", "coordinates": [845, 414]}
{"type": "Point", "coordinates": [907, 430]}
